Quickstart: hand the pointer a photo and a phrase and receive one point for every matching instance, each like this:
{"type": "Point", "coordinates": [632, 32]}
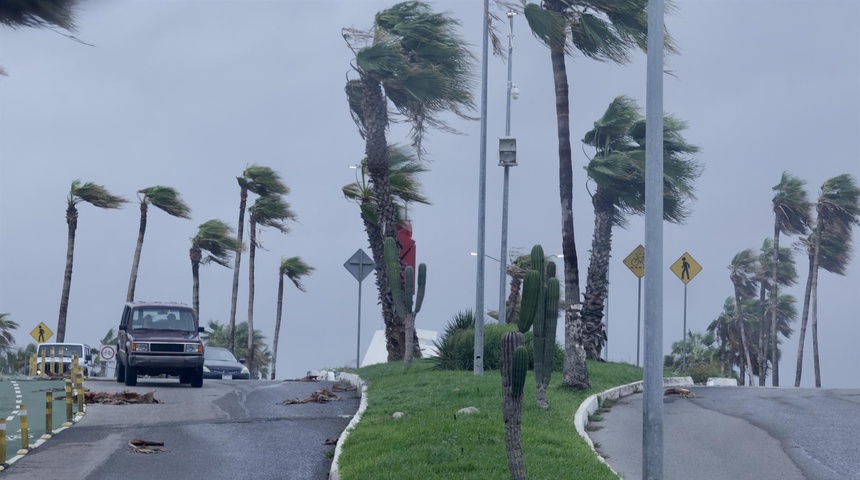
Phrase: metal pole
{"type": "Point", "coordinates": [503, 257]}
{"type": "Point", "coordinates": [684, 353]}
{"type": "Point", "coordinates": [482, 205]}
{"type": "Point", "coordinates": [638, 321]}
{"type": "Point", "coordinates": [652, 410]}
{"type": "Point", "coordinates": [606, 357]}
{"type": "Point", "coordinates": [358, 335]}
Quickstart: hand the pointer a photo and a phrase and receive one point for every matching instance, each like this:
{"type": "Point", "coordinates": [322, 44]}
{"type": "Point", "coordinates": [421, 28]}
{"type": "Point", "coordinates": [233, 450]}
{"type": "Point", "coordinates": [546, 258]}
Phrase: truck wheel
{"type": "Point", "coordinates": [197, 377]}
{"type": "Point", "coordinates": [120, 372]}
{"type": "Point", "coordinates": [185, 376]}
{"type": "Point", "coordinates": [130, 376]}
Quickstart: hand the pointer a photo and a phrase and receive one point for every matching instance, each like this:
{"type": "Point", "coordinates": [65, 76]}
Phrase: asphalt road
{"type": "Point", "coordinates": [225, 430]}
{"type": "Point", "coordinates": [741, 433]}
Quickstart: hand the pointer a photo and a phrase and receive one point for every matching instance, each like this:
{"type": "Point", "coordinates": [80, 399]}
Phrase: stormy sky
{"type": "Point", "coordinates": [188, 93]}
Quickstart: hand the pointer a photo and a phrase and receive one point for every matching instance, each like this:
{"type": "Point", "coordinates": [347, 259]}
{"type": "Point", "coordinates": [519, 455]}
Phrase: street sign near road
{"type": "Point", "coordinates": [686, 268]}
{"type": "Point", "coordinates": [359, 265]}
{"type": "Point", "coordinates": [636, 261]}
{"type": "Point", "coordinates": [107, 352]}
{"type": "Point", "coordinates": [41, 333]}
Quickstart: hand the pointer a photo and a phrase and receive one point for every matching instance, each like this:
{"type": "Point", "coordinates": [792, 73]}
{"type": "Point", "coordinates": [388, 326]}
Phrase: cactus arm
{"type": "Point", "coordinates": [518, 371]}
{"type": "Point", "coordinates": [422, 280]}
{"type": "Point", "coordinates": [538, 259]}
{"type": "Point", "coordinates": [529, 302]}
{"type": "Point", "coordinates": [410, 287]}
{"type": "Point", "coordinates": [553, 292]}
{"type": "Point", "coordinates": [392, 269]}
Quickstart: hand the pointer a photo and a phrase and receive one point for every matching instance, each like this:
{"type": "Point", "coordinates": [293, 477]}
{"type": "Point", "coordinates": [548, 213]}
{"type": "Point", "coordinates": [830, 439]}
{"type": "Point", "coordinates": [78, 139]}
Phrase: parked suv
{"type": "Point", "coordinates": [159, 339]}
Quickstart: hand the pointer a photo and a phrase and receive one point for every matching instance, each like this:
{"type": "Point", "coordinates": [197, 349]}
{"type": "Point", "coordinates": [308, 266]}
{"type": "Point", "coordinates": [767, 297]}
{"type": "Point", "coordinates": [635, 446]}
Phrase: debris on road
{"type": "Point", "coordinates": [138, 445]}
{"type": "Point", "coordinates": [320, 396]}
{"type": "Point", "coordinates": [683, 392]}
{"type": "Point", "coordinates": [330, 441]}
{"type": "Point", "coordinates": [125, 397]}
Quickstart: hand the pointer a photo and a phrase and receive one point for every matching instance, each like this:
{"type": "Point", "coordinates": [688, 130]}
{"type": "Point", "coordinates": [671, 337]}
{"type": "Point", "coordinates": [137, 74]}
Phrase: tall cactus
{"type": "Point", "coordinates": [515, 363]}
{"type": "Point", "coordinates": [402, 295]}
{"type": "Point", "coordinates": [539, 311]}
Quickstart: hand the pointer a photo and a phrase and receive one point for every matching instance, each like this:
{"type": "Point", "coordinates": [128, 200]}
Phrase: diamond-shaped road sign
{"type": "Point", "coordinates": [359, 265]}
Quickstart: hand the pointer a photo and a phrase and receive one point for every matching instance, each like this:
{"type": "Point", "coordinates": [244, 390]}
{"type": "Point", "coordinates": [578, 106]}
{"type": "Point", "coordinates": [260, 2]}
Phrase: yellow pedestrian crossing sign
{"type": "Point", "coordinates": [42, 333]}
{"type": "Point", "coordinates": [636, 261]}
{"type": "Point", "coordinates": [686, 268]}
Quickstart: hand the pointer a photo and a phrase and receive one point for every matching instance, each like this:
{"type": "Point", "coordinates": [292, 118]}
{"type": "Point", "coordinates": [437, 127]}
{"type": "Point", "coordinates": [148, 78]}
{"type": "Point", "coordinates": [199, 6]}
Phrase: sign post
{"type": "Point", "coordinates": [636, 263]}
{"type": "Point", "coordinates": [359, 265]}
{"type": "Point", "coordinates": [686, 268]}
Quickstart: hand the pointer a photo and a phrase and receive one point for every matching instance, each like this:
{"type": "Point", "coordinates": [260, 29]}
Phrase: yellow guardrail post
{"type": "Point", "coordinates": [3, 440]}
{"type": "Point", "coordinates": [25, 435]}
{"type": "Point", "coordinates": [68, 402]}
{"type": "Point", "coordinates": [80, 388]}
{"type": "Point", "coordinates": [44, 369]}
{"type": "Point", "coordinates": [49, 414]}
{"type": "Point", "coordinates": [54, 356]}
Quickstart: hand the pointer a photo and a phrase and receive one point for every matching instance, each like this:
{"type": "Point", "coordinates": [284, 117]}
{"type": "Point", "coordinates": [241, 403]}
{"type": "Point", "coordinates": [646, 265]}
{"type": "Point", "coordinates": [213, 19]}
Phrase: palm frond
{"type": "Point", "coordinates": [38, 14]}
{"type": "Point", "coordinates": [94, 194]}
{"type": "Point", "coordinates": [216, 238]}
{"type": "Point", "coordinates": [791, 206]}
{"type": "Point", "coordinates": [295, 268]}
{"type": "Point", "coordinates": [272, 211]}
{"type": "Point", "coordinates": [263, 181]}
{"type": "Point", "coordinates": [167, 199]}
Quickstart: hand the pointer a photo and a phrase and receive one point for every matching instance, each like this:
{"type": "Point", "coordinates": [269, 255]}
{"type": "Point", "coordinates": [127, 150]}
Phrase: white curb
{"type": "Point", "coordinates": [355, 381]}
{"type": "Point", "coordinates": [590, 405]}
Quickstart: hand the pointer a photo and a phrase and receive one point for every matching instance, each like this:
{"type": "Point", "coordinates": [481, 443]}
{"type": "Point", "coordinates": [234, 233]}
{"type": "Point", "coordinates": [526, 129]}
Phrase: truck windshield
{"type": "Point", "coordinates": [155, 318]}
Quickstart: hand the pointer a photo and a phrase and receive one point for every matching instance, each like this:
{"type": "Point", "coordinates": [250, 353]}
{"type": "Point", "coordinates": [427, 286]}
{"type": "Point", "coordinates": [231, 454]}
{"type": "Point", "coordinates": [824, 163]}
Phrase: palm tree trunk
{"type": "Point", "coordinates": [598, 268]}
{"type": "Point", "coordinates": [744, 346]}
{"type": "Point", "coordinates": [774, 292]}
{"type": "Point", "coordinates": [513, 299]}
{"type": "Point", "coordinates": [132, 280]}
{"type": "Point", "coordinates": [392, 329]}
{"type": "Point", "coordinates": [252, 251]}
{"type": "Point", "coordinates": [575, 373]}
{"type": "Point", "coordinates": [196, 254]}
{"type": "Point", "coordinates": [762, 339]}
{"type": "Point", "coordinates": [72, 221]}
{"type": "Point", "coordinates": [814, 307]}
{"type": "Point", "coordinates": [277, 323]}
{"type": "Point", "coordinates": [231, 333]}
{"type": "Point", "coordinates": [804, 316]}
{"type": "Point", "coordinates": [409, 333]}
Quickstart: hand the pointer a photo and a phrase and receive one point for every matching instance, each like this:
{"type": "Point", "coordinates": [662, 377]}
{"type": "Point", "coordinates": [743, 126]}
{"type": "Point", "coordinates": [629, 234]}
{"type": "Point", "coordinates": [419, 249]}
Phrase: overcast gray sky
{"type": "Point", "coordinates": [187, 93]}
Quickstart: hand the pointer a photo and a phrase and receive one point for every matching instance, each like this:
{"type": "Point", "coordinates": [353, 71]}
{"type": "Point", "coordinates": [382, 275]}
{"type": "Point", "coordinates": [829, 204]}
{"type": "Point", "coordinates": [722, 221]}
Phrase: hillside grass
{"type": "Point", "coordinates": [432, 441]}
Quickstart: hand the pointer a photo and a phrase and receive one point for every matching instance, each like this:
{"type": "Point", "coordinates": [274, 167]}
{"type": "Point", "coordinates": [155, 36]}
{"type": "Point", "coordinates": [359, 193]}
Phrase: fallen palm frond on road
{"type": "Point", "coordinates": [125, 397]}
{"type": "Point", "coordinates": [320, 396]}
{"type": "Point", "coordinates": [138, 445]}
{"type": "Point", "coordinates": [683, 392]}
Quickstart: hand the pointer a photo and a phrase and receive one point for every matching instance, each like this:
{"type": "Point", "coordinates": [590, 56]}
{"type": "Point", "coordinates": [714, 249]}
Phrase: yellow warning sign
{"type": "Point", "coordinates": [42, 333]}
{"type": "Point", "coordinates": [636, 261]}
{"type": "Point", "coordinates": [686, 268]}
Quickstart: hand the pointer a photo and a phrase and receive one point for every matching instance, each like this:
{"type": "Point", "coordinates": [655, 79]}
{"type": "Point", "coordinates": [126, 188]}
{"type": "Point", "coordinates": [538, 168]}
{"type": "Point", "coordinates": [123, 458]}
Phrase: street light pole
{"type": "Point", "coordinates": [482, 202]}
{"type": "Point", "coordinates": [504, 255]}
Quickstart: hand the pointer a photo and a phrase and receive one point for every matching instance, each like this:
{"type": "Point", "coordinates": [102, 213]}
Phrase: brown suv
{"type": "Point", "coordinates": [159, 339]}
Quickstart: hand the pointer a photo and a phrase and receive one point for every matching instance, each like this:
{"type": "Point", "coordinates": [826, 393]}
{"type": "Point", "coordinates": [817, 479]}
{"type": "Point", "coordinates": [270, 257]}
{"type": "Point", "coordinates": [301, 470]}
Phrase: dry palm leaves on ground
{"type": "Point", "coordinates": [683, 392]}
{"type": "Point", "coordinates": [125, 397]}
{"type": "Point", "coordinates": [324, 395]}
{"type": "Point", "coordinates": [138, 445]}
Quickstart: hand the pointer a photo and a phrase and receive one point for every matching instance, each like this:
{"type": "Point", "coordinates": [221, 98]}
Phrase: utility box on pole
{"type": "Point", "coordinates": [507, 152]}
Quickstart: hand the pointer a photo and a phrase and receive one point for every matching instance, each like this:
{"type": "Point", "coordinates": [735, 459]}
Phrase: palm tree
{"type": "Point", "coordinates": [406, 187]}
{"type": "Point", "coordinates": [38, 14]}
{"type": "Point", "coordinates": [413, 60]}
{"type": "Point", "coordinates": [267, 211]}
{"type": "Point", "coordinates": [785, 273]}
{"type": "Point", "coordinates": [830, 247]}
{"type": "Point", "coordinates": [792, 216]}
{"type": "Point", "coordinates": [518, 266]}
{"type": "Point", "coordinates": [168, 200]}
{"type": "Point", "coordinates": [603, 31]}
{"type": "Point", "coordinates": [98, 196]}
{"type": "Point", "coordinates": [260, 180]}
{"type": "Point", "coordinates": [6, 327]}
{"type": "Point", "coordinates": [618, 170]}
{"type": "Point", "coordinates": [742, 274]}
{"type": "Point", "coordinates": [293, 268]}
{"type": "Point", "coordinates": [217, 334]}
{"type": "Point", "coordinates": [216, 239]}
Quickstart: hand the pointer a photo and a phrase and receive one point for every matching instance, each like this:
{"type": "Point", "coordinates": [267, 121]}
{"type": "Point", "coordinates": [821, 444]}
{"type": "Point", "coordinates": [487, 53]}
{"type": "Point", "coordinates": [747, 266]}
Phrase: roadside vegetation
{"type": "Point", "coordinates": [431, 440]}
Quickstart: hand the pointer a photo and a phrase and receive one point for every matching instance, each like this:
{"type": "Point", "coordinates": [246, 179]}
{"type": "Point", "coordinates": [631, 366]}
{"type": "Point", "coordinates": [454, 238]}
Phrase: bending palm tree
{"type": "Point", "coordinates": [98, 196]}
{"type": "Point", "coordinates": [294, 269]}
{"type": "Point", "coordinates": [603, 31]}
{"type": "Point", "coordinates": [262, 181]}
{"type": "Point", "coordinates": [165, 198]}
{"type": "Point", "coordinates": [6, 327]}
{"type": "Point", "coordinates": [405, 186]}
{"type": "Point", "coordinates": [618, 170]}
{"type": "Point", "coordinates": [792, 216]}
{"type": "Point", "coordinates": [216, 239]}
{"type": "Point", "coordinates": [785, 272]}
{"type": "Point", "coordinates": [830, 247]}
{"type": "Point", "coordinates": [413, 59]}
{"type": "Point", "coordinates": [742, 274]}
{"type": "Point", "coordinates": [38, 14]}
{"type": "Point", "coordinates": [267, 211]}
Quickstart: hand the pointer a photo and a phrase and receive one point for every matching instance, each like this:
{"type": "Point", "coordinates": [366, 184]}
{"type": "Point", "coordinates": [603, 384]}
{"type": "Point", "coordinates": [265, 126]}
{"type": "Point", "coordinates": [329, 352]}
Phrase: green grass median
{"type": "Point", "coordinates": [432, 441]}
